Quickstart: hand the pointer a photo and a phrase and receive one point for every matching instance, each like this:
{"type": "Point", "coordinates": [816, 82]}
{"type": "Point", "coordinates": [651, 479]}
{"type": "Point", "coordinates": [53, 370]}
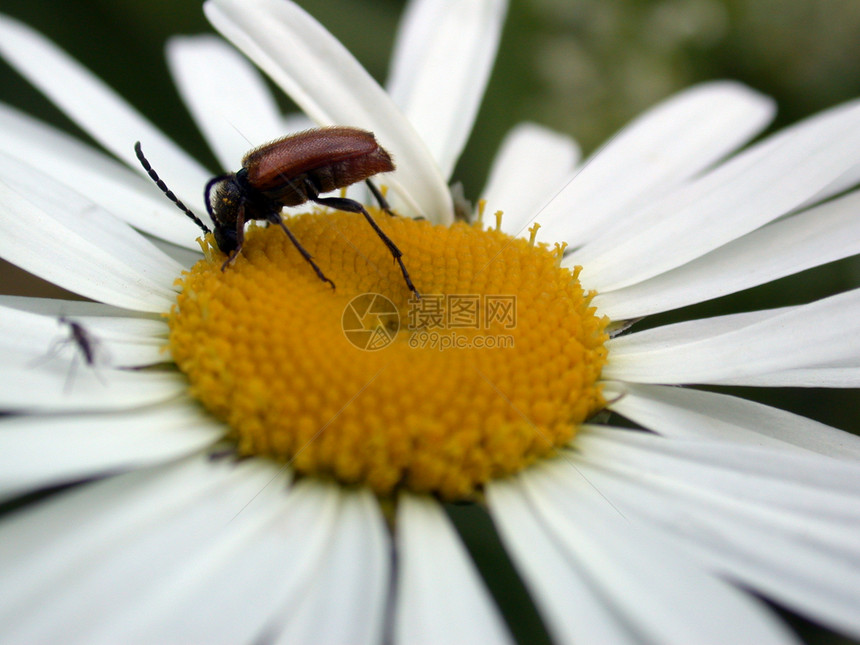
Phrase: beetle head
{"type": "Point", "coordinates": [225, 238]}
{"type": "Point", "coordinates": [225, 198]}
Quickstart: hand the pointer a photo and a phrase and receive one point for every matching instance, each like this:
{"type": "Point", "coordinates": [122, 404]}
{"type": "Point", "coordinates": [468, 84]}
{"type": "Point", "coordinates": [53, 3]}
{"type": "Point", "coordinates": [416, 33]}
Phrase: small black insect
{"type": "Point", "coordinates": [87, 346]}
{"type": "Point", "coordinates": [289, 172]}
{"type": "Point", "coordinates": [83, 340]}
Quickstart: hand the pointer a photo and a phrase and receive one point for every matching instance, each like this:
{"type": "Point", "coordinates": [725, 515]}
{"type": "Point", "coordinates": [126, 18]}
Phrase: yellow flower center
{"type": "Point", "coordinates": [493, 367]}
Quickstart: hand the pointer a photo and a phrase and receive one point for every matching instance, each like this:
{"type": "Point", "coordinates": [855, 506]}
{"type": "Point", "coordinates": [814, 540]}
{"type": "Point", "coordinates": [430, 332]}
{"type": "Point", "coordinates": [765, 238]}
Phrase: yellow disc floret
{"type": "Point", "coordinates": [493, 367]}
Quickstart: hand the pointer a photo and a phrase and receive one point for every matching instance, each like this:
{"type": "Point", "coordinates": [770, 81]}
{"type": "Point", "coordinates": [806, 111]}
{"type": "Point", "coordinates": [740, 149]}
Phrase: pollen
{"type": "Point", "coordinates": [492, 368]}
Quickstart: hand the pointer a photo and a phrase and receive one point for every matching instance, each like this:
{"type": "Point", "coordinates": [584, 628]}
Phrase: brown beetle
{"type": "Point", "coordinates": [289, 172]}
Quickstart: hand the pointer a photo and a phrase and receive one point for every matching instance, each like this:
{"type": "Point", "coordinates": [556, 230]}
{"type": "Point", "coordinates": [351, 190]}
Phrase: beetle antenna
{"type": "Point", "coordinates": [158, 182]}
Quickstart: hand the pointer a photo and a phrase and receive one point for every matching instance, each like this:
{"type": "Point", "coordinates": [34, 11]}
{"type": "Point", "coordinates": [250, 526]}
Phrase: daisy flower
{"type": "Point", "coordinates": [237, 469]}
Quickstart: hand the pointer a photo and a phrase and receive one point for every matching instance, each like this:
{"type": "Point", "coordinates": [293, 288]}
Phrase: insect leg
{"type": "Point", "coordinates": [275, 218]}
{"type": "Point", "coordinates": [380, 198]}
{"type": "Point", "coordinates": [351, 206]}
{"type": "Point", "coordinates": [70, 377]}
{"type": "Point", "coordinates": [240, 239]}
{"type": "Point", "coordinates": [57, 345]}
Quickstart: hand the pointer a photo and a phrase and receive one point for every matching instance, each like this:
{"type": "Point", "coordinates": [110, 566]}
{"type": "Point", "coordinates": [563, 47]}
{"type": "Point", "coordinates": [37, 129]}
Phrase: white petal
{"type": "Point", "coordinates": [661, 149]}
{"type": "Point", "coordinates": [329, 85]}
{"type": "Point", "coordinates": [296, 122]}
{"type": "Point", "coordinates": [226, 95]}
{"type": "Point", "coordinates": [85, 250]}
{"type": "Point", "coordinates": [690, 331]}
{"type": "Point", "coordinates": [248, 574]}
{"type": "Point", "coordinates": [74, 209]}
{"type": "Point", "coordinates": [350, 586]}
{"type": "Point", "coordinates": [532, 165]}
{"type": "Point", "coordinates": [130, 334]}
{"type": "Point", "coordinates": [835, 377]}
{"type": "Point", "coordinates": [56, 540]}
{"type": "Point", "coordinates": [184, 255]}
{"type": "Point", "coordinates": [32, 341]}
{"type": "Point", "coordinates": [44, 368]}
{"type": "Point", "coordinates": [783, 525]}
{"type": "Point", "coordinates": [148, 325]}
{"type": "Point", "coordinates": [85, 563]}
{"type": "Point", "coordinates": [571, 608]}
{"type": "Point", "coordinates": [106, 182]}
{"type": "Point", "coordinates": [440, 67]}
{"type": "Point", "coordinates": [36, 452]}
{"type": "Point", "coordinates": [755, 187]}
{"type": "Point", "coordinates": [821, 488]}
{"type": "Point", "coordinates": [688, 414]}
{"type": "Point", "coordinates": [665, 597]}
{"type": "Point", "coordinates": [823, 234]}
{"type": "Point", "coordinates": [99, 111]}
{"type": "Point", "coordinates": [780, 569]}
{"type": "Point", "coordinates": [440, 595]}
{"type": "Point", "coordinates": [828, 329]}
{"type": "Point", "coordinates": [415, 34]}
{"type": "Point", "coordinates": [75, 387]}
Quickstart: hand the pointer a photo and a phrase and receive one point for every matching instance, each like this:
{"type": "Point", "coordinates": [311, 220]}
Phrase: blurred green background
{"type": "Point", "coordinates": [584, 67]}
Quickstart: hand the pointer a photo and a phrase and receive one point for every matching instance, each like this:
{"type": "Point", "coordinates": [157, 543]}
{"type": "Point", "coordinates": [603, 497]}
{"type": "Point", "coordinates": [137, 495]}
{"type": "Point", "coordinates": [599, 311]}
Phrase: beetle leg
{"type": "Point", "coordinates": [380, 198]}
{"type": "Point", "coordinates": [352, 206]}
{"type": "Point", "coordinates": [240, 238]}
{"type": "Point", "coordinates": [275, 218]}
{"type": "Point", "coordinates": [383, 203]}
